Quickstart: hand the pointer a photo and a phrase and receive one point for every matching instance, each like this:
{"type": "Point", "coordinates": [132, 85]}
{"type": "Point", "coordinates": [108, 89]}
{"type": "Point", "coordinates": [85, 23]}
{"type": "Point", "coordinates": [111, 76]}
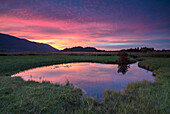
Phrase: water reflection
{"type": "Point", "coordinates": [94, 78]}
{"type": "Point", "coordinates": [123, 68]}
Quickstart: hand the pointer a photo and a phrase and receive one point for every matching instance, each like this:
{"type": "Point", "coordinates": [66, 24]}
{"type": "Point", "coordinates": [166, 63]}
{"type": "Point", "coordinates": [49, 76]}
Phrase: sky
{"type": "Point", "coordinates": [104, 24]}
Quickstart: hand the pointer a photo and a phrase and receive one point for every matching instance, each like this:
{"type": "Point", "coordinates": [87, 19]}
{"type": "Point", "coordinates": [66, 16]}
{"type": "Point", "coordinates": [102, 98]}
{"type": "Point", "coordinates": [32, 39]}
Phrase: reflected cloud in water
{"type": "Point", "coordinates": [94, 78]}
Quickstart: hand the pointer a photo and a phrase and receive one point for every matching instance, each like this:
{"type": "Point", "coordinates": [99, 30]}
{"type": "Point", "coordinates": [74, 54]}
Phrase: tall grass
{"type": "Point", "coordinates": [18, 96]}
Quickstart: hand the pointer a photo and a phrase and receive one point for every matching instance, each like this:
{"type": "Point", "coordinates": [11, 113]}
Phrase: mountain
{"type": "Point", "coordinates": [11, 43]}
{"type": "Point", "coordinates": [81, 49]}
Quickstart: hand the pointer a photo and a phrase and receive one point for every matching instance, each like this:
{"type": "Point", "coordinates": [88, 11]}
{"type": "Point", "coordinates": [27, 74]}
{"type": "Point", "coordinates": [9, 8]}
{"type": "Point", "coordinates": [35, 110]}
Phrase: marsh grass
{"type": "Point", "coordinates": [18, 96]}
{"type": "Point", "coordinates": [24, 53]}
{"type": "Point", "coordinates": [12, 64]}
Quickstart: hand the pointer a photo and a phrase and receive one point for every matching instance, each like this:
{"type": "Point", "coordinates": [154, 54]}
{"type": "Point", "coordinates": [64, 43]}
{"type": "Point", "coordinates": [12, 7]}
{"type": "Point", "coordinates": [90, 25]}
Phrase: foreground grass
{"type": "Point", "coordinates": [18, 96]}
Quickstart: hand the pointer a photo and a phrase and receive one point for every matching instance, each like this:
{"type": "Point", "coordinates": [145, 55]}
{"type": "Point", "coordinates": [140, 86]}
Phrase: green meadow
{"type": "Point", "coordinates": [19, 96]}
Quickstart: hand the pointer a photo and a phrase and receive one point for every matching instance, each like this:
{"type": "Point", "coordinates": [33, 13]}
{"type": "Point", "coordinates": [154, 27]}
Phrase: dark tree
{"type": "Point", "coordinates": [123, 58]}
{"type": "Point", "coordinates": [123, 63]}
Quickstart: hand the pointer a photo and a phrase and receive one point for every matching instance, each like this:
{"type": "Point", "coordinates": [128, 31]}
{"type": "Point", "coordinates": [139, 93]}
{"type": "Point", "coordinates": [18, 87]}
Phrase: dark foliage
{"type": "Point", "coordinates": [142, 49]}
{"type": "Point", "coordinates": [123, 62]}
{"type": "Point", "coordinates": [123, 58]}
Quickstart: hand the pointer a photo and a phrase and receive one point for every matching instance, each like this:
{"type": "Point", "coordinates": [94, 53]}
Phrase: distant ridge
{"type": "Point", "coordinates": [81, 49]}
{"type": "Point", "coordinates": [11, 43]}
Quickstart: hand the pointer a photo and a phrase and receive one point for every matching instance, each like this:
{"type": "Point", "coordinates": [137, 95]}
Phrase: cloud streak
{"type": "Point", "coordinates": [105, 24]}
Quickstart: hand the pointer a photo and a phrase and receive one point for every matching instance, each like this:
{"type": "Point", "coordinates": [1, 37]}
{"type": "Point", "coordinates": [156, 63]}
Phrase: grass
{"type": "Point", "coordinates": [12, 64]}
{"type": "Point", "coordinates": [18, 96]}
{"type": "Point", "coordinates": [143, 97]}
{"type": "Point", "coordinates": [21, 53]}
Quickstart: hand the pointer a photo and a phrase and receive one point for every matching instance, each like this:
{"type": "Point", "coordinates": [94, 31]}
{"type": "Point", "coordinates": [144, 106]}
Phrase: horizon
{"type": "Point", "coordinates": [88, 46]}
{"type": "Point", "coordinates": [103, 24]}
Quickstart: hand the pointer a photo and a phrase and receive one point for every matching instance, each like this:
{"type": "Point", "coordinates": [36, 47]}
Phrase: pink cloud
{"type": "Point", "coordinates": [66, 32]}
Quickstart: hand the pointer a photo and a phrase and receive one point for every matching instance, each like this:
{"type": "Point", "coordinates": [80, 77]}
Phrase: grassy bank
{"type": "Point", "coordinates": [13, 53]}
{"type": "Point", "coordinates": [12, 64]}
{"type": "Point", "coordinates": [144, 97]}
{"type": "Point", "coordinates": [18, 96]}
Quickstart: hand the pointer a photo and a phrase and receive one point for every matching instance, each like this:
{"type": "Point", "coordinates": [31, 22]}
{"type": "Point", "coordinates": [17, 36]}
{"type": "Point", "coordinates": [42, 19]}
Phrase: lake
{"type": "Point", "coordinates": [93, 78]}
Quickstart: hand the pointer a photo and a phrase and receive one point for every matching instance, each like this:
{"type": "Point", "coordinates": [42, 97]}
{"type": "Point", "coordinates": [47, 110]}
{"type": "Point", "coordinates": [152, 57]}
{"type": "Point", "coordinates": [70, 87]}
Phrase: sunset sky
{"type": "Point", "coordinates": [104, 24]}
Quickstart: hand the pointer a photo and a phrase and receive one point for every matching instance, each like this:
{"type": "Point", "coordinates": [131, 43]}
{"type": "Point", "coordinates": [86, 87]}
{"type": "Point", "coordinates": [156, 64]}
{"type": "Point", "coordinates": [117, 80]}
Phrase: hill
{"type": "Point", "coordinates": [81, 49]}
{"type": "Point", "coordinates": [11, 43]}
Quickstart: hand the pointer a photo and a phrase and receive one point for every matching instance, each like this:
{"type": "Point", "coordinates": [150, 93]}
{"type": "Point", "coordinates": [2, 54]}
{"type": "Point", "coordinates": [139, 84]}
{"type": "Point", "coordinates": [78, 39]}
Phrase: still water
{"type": "Point", "coordinates": [93, 78]}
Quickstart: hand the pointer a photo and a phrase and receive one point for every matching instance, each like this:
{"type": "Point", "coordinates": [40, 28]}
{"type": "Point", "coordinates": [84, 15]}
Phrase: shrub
{"type": "Point", "coordinates": [123, 58]}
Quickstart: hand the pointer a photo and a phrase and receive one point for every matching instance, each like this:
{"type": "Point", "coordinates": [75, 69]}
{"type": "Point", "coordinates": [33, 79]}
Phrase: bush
{"type": "Point", "coordinates": [123, 58]}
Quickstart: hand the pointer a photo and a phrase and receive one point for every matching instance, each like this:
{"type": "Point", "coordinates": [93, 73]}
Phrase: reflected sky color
{"type": "Point", "coordinates": [93, 78]}
{"type": "Point", "coordinates": [105, 24]}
